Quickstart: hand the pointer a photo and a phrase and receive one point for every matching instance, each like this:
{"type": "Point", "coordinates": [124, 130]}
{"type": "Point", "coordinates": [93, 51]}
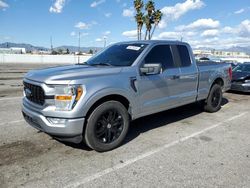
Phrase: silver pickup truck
{"type": "Point", "coordinates": [95, 101]}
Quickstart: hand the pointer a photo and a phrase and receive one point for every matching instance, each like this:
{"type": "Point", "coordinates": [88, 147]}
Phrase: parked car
{"type": "Point", "coordinates": [234, 65]}
{"type": "Point", "coordinates": [94, 102]}
{"type": "Point", "coordinates": [241, 78]}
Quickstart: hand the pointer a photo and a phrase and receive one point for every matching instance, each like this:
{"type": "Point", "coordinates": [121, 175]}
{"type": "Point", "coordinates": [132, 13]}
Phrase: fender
{"type": "Point", "coordinates": [134, 106]}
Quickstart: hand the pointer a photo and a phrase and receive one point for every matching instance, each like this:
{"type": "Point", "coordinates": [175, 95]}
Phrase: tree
{"type": "Point", "coordinates": [138, 5]}
{"type": "Point", "coordinates": [139, 19]}
{"type": "Point", "coordinates": [60, 51]}
{"type": "Point", "coordinates": [90, 51]}
{"type": "Point", "coordinates": [150, 7]}
{"type": "Point", "coordinates": [67, 51]}
{"type": "Point", "coordinates": [148, 19]}
{"type": "Point", "coordinates": [157, 16]}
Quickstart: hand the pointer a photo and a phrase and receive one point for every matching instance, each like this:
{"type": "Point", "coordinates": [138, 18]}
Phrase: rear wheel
{"type": "Point", "coordinates": [107, 126]}
{"type": "Point", "coordinates": [213, 102]}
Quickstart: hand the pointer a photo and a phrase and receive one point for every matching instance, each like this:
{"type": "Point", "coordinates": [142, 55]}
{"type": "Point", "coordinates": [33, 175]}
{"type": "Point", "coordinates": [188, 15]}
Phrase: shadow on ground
{"type": "Point", "coordinates": [238, 92]}
{"type": "Point", "coordinates": [155, 121]}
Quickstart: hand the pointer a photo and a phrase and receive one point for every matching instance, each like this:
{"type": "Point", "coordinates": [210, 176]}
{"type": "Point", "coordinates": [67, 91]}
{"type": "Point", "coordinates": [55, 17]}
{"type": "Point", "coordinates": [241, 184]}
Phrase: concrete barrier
{"type": "Point", "coordinates": [50, 59]}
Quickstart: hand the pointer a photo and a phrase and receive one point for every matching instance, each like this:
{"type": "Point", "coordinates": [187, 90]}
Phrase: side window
{"type": "Point", "coordinates": [160, 54]}
{"type": "Point", "coordinates": [184, 56]}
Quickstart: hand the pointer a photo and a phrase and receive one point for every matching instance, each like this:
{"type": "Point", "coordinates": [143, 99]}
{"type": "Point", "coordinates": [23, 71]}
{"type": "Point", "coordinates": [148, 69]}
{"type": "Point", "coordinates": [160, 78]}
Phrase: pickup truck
{"type": "Point", "coordinates": [94, 102]}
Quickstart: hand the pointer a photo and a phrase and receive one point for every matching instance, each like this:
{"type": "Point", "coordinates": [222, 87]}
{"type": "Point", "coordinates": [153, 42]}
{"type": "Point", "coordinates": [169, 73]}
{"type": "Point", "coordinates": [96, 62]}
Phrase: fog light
{"type": "Point", "coordinates": [57, 121]}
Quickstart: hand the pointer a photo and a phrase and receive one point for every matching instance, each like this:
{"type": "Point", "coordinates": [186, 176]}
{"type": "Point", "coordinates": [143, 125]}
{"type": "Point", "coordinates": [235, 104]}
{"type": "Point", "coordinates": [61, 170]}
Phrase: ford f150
{"type": "Point", "coordinates": [95, 101]}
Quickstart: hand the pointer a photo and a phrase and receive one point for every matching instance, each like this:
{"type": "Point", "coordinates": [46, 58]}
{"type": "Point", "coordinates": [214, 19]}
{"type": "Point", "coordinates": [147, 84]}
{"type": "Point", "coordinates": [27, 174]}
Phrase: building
{"type": "Point", "coordinates": [220, 53]}
{"type": "Point", "coordinates": [12, 50]}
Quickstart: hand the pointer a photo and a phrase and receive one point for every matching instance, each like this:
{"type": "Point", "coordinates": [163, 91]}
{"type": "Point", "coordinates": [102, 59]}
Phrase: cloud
{"type": "Point", "coordinates": [241, 30]}
{"type": "Point", "coordinates": [94, 23]}
{"type": "Point", "coordinates": [97, 3]}
{"type": "Point", "coordinates": [200, 24]}
{"type": "Point", "coordinates": [244, 29]}
{"type": "Point", "coordinates": [171, 13]}
{"type": "Point", "coordinates": [3, 5]}
{"type": "Point", "coordinates": [73, 34]}
{"type": "Point", "coordinates": [98, 40]}
{"type": "Point", "coordinates": [239, 11]}
{"type": "Point", "coordinates": [130, 34]}
{"type": "Point", "coordinates": [82, 25]}
{"type": "Point", "coordinates": [107, 33]}
{"type": "Point", "coordinates": [169, 35]}
{"type": "Point", "coordinates": [228, 30]}
{"type": "Point", "coordinates": [220, 43]}
{"type": "Point", "coordinates": [108, 14]}
{"type": "Point", "coordinates": [57, 6]}
{"type": "Point", "coordinates": [210, 33]}
{"type": "Point", "coordinates": [128, 12]}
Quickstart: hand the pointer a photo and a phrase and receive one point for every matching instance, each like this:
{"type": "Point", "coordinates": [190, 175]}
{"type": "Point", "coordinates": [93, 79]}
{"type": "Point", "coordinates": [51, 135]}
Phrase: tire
{"type": "Point", "coordinates": [214, 99]}
{"type": "Point", "coordinates": [107, 126]}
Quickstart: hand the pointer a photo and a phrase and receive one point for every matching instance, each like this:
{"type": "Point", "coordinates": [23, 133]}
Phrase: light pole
{"type": "Point", "coordinates": [105, 41]}
{"type": "Point", "coordinates": [79, 47]}
{"type": "Point", "coordinates": [51, 44]}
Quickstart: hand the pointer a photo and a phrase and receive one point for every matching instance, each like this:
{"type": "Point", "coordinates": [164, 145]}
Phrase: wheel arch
{"type": "Point", "coordinates": [111, 97]}
{"type": "Point", "coordinates": [218, 80]}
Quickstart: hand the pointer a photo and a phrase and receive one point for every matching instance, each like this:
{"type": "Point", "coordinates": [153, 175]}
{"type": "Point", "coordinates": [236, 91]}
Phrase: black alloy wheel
{"type": "Point", "coordinates": [107, 126]}
{"type": "Point", "coordinates": [214, 99]}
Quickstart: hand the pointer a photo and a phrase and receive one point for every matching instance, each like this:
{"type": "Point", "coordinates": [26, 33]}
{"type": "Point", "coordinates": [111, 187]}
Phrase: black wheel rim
{"type": "Point", "coordinates": [109, 126]}
{"type": "Point", "coordinates": [216, 97]}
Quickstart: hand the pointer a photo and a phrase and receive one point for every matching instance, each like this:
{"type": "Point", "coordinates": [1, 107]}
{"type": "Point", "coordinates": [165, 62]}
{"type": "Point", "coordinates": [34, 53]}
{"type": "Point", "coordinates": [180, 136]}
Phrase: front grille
{"type": "Point", "coordinates": [34, 93]}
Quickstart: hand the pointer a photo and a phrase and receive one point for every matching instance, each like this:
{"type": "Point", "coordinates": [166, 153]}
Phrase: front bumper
{"type": "Point", "coordinates": [71, 130]}
{"type": "Point", "coordinates": [243, 87]}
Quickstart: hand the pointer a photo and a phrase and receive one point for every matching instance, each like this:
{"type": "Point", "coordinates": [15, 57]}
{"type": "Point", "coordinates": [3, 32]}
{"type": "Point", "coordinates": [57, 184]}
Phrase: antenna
{"type": "Point", "coordinates": [79, 47]}
{"type": "Point", "coordinates": [51, 44]}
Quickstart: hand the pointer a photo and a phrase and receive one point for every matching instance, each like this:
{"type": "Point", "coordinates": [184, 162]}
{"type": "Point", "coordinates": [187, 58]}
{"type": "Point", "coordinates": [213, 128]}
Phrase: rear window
{"type": "Point", "coordinates": [181, 54]}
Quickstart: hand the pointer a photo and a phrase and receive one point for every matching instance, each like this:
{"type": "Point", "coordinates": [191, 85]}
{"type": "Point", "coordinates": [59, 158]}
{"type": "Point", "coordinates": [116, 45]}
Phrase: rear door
{"type": "Point", "coordinates": [159, 92]}
{"type": "Point", "coordinates": [188, 80]}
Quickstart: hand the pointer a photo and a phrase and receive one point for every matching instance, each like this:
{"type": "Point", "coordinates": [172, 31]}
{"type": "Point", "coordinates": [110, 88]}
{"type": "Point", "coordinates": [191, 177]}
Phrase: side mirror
{"type": "Point", "coordinates": [151, 69]}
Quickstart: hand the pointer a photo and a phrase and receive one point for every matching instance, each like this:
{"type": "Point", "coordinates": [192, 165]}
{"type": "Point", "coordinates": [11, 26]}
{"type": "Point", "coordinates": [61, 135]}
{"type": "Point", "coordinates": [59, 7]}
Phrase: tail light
{"type": "Point", "coordinates": [230, 73]}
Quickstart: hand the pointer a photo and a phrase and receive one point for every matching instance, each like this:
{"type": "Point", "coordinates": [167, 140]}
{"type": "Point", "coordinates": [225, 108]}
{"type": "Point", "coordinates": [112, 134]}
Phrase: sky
{"type": "Point", "coordinates": [202, 23]}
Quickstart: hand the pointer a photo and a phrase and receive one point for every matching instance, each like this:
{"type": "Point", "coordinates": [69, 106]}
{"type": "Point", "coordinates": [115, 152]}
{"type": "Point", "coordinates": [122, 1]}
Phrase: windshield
{"type": "Point", "coordinates": [242, 68]}
{"type": "Point", "coordinates": [118, 55]}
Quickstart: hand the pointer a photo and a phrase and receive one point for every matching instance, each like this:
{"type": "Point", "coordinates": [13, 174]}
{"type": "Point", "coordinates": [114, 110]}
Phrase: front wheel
{"type": "Point", "coordinates": [214, 99]}
{"type": "Point", "coordinates": [107, 126]}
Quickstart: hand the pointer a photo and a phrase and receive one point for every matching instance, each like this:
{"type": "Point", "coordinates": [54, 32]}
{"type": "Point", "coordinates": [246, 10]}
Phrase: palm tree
{"type": "Point", "coordinates": [138, 5]}
{"type": "Point", "coordinates": [150, 7]}
{"type": "Point", "coordinates": [139, 20]}
{"type": "Point", "coordinates": [148, 19]}
{"type": "Point", "coordinates": [148, 22]}
{"type": "Point", "coordinates": [157, 16]}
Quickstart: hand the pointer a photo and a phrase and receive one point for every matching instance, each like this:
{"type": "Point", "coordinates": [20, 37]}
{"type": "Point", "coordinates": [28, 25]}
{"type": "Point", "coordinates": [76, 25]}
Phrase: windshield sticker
{"type": "Point", "coordinates": [136, 48]}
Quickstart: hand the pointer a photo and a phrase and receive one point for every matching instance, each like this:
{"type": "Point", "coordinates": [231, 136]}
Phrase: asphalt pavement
{"type": "Point", "coordinates": [183, 147]}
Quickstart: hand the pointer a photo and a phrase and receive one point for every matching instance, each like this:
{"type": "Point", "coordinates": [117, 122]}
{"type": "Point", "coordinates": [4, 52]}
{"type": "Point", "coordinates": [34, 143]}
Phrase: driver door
{"type": "Point", "coordinates": [160, 91]}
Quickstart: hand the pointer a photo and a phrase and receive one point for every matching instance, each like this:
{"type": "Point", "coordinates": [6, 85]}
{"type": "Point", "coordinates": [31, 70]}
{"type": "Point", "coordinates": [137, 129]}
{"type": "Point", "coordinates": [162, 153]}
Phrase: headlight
{"type": "Point", "coordinates": [247, 81]}
{"type": "Point", "coordinates": [66, 97]}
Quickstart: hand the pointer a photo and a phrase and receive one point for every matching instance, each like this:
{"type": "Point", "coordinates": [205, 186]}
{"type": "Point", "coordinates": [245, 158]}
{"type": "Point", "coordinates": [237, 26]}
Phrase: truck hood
{"type": "Point", "coordinates": [240, 75]}
{"type": "Point", "coordinates": [65, 74]}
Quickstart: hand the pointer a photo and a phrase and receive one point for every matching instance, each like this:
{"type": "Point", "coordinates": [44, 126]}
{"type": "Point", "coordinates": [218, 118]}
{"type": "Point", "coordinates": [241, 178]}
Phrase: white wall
{"type": "Point", "coordinates": [239, 60]}
{"type": "Point", "coordinates": [31, 58]}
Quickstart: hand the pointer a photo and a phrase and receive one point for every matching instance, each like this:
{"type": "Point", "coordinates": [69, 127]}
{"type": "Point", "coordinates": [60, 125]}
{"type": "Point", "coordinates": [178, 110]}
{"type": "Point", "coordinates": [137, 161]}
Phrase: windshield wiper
{"type": "Point", "coordinates": [101, 64]}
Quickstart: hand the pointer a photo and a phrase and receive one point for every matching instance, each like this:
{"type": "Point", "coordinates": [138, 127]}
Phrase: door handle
{"type": "Point", "coordinates": [175, 77]}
